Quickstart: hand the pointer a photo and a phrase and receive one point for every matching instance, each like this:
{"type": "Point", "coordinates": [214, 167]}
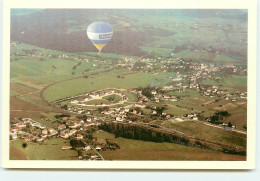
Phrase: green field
{"type": "Point", "coordinates": [49, 150]}
{"type": "Point", "coordinates": [231, 81]}
{"type": "Point", "coordinates": [198, 129]}
{"type": "Point", "coordinates": [144, 150]}
{"type": "Point", "coordinates": [100, 81]}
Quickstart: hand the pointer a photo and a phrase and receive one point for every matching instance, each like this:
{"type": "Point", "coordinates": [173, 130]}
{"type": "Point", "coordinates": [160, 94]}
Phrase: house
{"type": "Point", "coordinates": [154, 112]}
{"type": "Point", "coordinates": [45, 131]}
{"type": "Point", "coordinates": [65, 118]}
{"type": "Point", "coordinates": [119, 118]}
{"type": "Point", "coordinates": [76, 124]}
{"type": "Point", "coordinates": [52, 132]}
{"type": "Point", "coordinates": [79, 136]}
{"type": "Point", "coordinates": [173, 99]}
{"type": "Point", "coordinates": [195, 118]}
{"type": "Point", "coordinates": [164, 113]}
{"type": "Point", "coordinates": [44, 135]}
{"type": "Point", "coordinates": [121, 112]}
{"type": "Point", "coordinates": [66, 147]}
{"type": "Point", "coordinates": [153, 92]}
{"type": "Point", "coordinates": [166, 96]}
{"type": "Point", "coordinates": [98, 148]}
{"type": "Point", "coordinates": [64, 135]}
{"type": "Point", "coordinates": [91, 123]}
{"type": "Point", "coordinates": [74, 102]}
{"type": "Point", "coordinates": [40, 139]}
{"type": "Point", "coordinates": [21, 125]}
{"type": "Point", "coordinates": [61, 127]}
{"type": "Point", "coordinates": [103, 112]}
{"type": "Point", "coordinates": [87, 148]}
{"type": "Point", "coordinates": [132, 90]}
{"type": "Point", "coordinates": [93, 157]}
{"type": "Point", "coordinates": [29, 138]}
{"type": "Point", "coordinates": [94, 95]}
{"type": "Point", "coordinates": [140, 105]}
{"type": "Point", "coordinates": [14, 136]}
{"type": "Point", "coordinates": [72, 132]}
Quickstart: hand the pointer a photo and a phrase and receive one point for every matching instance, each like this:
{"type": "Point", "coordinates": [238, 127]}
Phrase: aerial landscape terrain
{"type": "Point", "coordinates": [169, 85]}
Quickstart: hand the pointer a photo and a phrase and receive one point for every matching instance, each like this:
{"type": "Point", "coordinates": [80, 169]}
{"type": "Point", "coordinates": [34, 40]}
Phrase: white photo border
{"type": "Point", "coordinates": [251, 5]}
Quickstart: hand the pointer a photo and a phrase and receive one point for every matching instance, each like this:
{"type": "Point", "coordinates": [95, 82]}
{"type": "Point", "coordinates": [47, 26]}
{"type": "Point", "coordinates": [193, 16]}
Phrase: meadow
{"type": "Point", "coordinates": [202, 131]}
{"type": "Point", "coordinates": [97, 82]}
{"type": "Point", "coordinates": [49, 150]}
{"type": "Point", "coordinates": [144, 150]}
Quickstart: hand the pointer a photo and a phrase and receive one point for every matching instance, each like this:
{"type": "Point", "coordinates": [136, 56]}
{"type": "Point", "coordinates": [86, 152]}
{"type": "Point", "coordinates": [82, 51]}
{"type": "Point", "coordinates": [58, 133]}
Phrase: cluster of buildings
{"type": "Point", "coordinates": [31, 130]}
{"type": "Point", "coordinates": [83, 100]}
{"type": "Point", "coordinates": [73, 128]}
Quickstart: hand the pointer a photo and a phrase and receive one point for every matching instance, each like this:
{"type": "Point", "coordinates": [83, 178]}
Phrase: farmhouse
{"type": "Point", "coordinates": [40, 139]}
{"type": "Point", "coordinates": [29, 138]}
{"type": "Point", "coordinates": [79, 136]}
{"type": "Point", "coordinates": [132, 90]}
{"type": "Point", "coordinates": [72, 132]}
{"type": "Point", "coordinates": [45, 131]}
{"type": "Point", "coordinates": [154, 112]}
{"type": "Point", "coordinates": [21, 125]}
{"type": "Point", "coordinates": [64, 135]}
{"type": "Point", "coordinates": [153, 92]}
{"type": "Point", "coordinates": [61, 127]}
{"type": "Point", "coordinates": [52, 132]}
{"type": "Point", "coordinates": [140, 105]}
{"type": "Point", "coordinates": [166, 96]}
{"type": "Point", "coordinates": [66, 147]}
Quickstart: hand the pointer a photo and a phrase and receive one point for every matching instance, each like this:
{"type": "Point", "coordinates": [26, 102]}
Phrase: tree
{"type": "Point", "coordinates": [229, 124]}
{"type": "Point", "coordinates": [76, 143]}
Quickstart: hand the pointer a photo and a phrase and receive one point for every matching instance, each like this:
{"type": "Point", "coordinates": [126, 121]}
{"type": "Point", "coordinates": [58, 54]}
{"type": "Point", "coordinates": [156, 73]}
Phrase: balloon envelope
{"type": "Point", "coordinates": [99, 34]}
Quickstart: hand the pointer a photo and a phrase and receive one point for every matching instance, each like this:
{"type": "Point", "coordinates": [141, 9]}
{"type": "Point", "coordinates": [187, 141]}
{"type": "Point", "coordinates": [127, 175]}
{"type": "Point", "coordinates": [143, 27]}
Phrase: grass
{"type": "Point", "coordinates": [49, 150]}
{"type": "Point", "coordinates": [198, 129]}
{"type": "Point", "coordinates": [31, 67]}
{"type": "Point", "coordinates": [158, 51]}
{"type": "Point", "coordinates": [144, 150]}
{"type": "Point", "coordinates": [113, 97]}
{"type": "Point", "coordinates": [97, 82]}
{"type": "Point", "coordinates": [187, 92]}
{"type": "Point", "coordinates": [226, 59]}
{"type": "Point", "coordinates": [232, 81]}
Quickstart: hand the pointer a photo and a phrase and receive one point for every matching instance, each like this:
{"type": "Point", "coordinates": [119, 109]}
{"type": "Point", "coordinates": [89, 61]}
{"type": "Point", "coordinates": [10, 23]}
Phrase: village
{"type": "Point", "coordinates": [77, 131]}
{"type": "Point", "coordinates": [114, 105]}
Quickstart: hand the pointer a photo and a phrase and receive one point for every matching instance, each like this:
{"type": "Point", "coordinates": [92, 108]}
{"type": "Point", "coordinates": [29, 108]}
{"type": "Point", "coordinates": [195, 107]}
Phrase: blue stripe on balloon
{"type": "Point", "coordinates": [99, 41]}
{"type": "Point", "coordinates": [99, 27]}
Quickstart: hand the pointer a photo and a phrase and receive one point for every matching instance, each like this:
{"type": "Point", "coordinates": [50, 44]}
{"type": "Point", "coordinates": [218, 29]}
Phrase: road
{"type": "Point", "coordinates": [220, 127]}
{"type": "Point", "coordinates": [97, 152]}
{"type": "Point", "coordinates": [92, 147]}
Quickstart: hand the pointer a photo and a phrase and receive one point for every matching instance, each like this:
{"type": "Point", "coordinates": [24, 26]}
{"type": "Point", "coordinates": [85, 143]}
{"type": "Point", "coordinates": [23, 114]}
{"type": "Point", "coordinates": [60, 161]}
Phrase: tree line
{"type": "Point", "coordinates": [141, 133]}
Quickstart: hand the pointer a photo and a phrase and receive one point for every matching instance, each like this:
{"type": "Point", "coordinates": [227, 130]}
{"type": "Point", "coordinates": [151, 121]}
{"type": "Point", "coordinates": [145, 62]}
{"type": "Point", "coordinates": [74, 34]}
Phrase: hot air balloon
{"type": "Point", "coordinates": [99, 34]}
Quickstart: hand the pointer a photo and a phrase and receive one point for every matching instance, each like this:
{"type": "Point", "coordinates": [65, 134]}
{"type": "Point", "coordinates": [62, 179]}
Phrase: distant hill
{"type": "Point", "coordinates": [65, 30]}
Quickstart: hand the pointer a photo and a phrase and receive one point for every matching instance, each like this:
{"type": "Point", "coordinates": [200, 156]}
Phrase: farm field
{"type": "Point", "coordinates": [200, 130]}
{"type": "Point", "coordinates": [144, 150]}
{"type": "Point", "coordinates": [101, 81]}
{"type": "Point", "coordinates": [49, 150]}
